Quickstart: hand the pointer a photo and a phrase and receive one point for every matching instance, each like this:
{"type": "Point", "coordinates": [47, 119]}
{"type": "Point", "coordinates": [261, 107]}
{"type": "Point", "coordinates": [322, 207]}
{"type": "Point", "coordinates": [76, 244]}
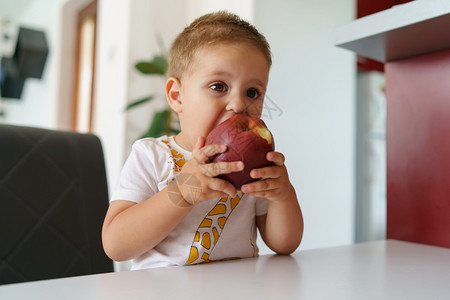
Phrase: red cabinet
{"type": "Point", "coordinates": [418, 149]}
{"type": "Point", "coordinates": [411, 42]}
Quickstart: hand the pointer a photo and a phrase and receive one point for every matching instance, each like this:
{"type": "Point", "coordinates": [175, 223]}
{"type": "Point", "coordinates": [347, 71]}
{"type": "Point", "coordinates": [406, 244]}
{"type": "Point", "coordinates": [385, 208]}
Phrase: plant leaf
{"type": "Point", "coordinates": [158, 125]}
{"type": "Point", "coordinates": [174, 130]}
{"type": "Point", "coordinates": [161, 62]}
{"type": "Point", "coordinates": [157, 66]}
{"type": "Point", "coordinates": [139, 102]}
{"type": "Point", "coordinates": [149, 68]}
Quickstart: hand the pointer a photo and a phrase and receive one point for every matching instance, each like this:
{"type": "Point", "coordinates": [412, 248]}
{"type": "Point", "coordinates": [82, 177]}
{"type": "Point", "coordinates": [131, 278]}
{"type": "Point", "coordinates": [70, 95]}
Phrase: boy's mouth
{"type": "Point", "coordinates": [226, 117]}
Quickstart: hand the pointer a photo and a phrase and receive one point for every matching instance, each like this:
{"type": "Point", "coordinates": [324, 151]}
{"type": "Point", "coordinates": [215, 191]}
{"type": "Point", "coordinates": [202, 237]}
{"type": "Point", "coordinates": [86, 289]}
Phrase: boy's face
{"type": "Point", "coordinates": [223, 80]}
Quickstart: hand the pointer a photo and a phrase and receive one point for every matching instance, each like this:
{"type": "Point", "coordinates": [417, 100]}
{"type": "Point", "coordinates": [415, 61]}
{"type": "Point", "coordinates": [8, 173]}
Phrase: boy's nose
{"type": "Point", "coordinates": [237, 104]}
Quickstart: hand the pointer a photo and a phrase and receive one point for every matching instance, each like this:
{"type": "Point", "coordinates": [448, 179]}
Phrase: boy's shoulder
{"type": "Point", "coordinates": [160, 151]}
{"type": "Point", "coordinates": [151, 151]}
{"type": "Point", "coordinates": [152, 140]}
{"type": "Point", "coordinates": [160, 146]}
{"type": "Point", "coordinates": [148, 143]}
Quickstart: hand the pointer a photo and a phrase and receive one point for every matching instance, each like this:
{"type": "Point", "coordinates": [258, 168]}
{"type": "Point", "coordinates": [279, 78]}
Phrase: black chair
{"type": "Point", "coordinates": [53, 199]}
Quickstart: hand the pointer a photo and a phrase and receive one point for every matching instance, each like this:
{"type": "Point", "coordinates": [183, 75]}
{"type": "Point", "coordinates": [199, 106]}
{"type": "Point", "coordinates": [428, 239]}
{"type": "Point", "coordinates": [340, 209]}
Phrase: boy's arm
{"type": "Point", "coordinates": [282, 227]}
{"type": "Point", "coordinates": [130, 229]}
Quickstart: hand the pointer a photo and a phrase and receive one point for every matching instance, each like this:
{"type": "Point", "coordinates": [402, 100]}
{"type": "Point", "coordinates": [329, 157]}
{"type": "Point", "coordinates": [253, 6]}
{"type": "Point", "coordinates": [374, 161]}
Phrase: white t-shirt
{"type": "Point", "coordinates": [216, 229]}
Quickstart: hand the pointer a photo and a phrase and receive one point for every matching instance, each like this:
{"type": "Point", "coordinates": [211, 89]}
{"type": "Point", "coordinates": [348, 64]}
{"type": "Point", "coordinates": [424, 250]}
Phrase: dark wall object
{"type": "Point", "coordinates": [31, 53]}
{"type": "Point", "coordinates": [28, 61]}
{"type": "Point", "coordinates": [11, 84]}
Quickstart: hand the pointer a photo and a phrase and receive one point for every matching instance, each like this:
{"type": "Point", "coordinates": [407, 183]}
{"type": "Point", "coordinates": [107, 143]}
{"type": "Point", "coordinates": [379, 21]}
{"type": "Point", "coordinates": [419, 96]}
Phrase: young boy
{"type": "Point", "coordinates": [169, 208]}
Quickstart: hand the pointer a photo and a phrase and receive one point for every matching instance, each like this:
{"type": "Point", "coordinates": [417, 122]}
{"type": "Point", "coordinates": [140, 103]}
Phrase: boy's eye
{"type": "Point", "coordinates": [218, 87]}
{"type": "Point", "coordinates": [252, 93]}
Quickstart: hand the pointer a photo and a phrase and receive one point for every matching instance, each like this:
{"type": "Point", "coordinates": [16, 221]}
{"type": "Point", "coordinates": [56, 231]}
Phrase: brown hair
{"type": "Point", "coordinates": [210, 29]}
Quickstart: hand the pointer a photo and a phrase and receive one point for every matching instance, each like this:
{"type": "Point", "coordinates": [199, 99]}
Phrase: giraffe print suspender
{"type": "Point", "coordinates": [210, 228]}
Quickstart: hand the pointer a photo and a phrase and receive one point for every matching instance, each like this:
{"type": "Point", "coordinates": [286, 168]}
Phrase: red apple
{"type": "Point", "coordinates": [247, 140]}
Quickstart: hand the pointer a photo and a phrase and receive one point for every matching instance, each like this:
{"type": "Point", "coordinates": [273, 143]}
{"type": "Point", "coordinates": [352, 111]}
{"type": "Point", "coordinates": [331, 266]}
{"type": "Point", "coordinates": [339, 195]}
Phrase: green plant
{"type": "Point", "coordinates": [164, 121]}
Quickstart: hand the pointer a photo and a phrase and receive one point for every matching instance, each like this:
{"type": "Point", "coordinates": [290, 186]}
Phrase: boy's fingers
{"type": "Point", "coordinates": [224, 186]}
{"type": "Point", "coordinates": [213, 149]}
{"type": "Point", "coordinates": [276, 157]}
{"type": "Point", "coordinates": [259, 186]}
{"type": "Point", "coordinates": [200, 143]}
{"type": "Point", "coordinates": [207, 151]}
{"type": "Point", "coordinates": [215, 169]}
{"type": "Point", "coordinates": [202, 153]}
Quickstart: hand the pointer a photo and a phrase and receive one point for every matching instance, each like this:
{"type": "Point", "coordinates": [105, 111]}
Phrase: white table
{"type": "Point", "coordinates": [377, 270]}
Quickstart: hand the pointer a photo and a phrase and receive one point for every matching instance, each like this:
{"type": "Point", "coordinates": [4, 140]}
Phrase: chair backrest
{"type": "Point", "coordinates": [53, 198]}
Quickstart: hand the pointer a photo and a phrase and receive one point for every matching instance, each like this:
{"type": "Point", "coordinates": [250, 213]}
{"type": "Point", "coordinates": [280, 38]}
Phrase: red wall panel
{"type": "Point", "coordinates": [368, 7]}
{"type": "Point", "coordinates": [418, 149]}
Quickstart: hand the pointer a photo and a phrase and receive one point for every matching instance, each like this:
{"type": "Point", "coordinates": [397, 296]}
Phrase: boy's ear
{"type": "Point", "coordinates": [173, 94]}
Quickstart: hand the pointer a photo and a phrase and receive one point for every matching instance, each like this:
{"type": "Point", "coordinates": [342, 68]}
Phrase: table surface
{"type": "Point", "coordinates": [375, 270]}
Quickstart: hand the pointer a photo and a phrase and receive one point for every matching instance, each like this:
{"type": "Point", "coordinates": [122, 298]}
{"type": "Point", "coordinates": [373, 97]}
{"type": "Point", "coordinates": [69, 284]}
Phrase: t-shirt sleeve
{"type": "Point", "coordinates": [261, 206]}
{"type": "Point", "coordinates": [138, 178]}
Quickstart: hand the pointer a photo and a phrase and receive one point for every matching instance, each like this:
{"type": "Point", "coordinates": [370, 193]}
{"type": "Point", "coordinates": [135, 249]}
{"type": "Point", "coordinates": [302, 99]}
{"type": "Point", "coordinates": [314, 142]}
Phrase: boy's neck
{"type": "Point", "coordinates": [183, 142]}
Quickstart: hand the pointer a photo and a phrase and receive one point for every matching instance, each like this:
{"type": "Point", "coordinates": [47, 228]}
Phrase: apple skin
{"type": "Point", "coordinates": [247, 140]}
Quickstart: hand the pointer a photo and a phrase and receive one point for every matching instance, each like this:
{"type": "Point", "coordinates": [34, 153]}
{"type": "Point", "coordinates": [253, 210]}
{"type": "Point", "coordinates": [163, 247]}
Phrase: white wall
{"type": "Point", "coordinates": [244, 8]}
{"type": "Point", "coordinates": [312, 88]}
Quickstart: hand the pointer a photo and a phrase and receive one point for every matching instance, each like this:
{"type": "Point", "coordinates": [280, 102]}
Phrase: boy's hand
{"type": "Point", "coordinates": [275, 184]}
{"type": "Point", "coordinates": [197, 180]}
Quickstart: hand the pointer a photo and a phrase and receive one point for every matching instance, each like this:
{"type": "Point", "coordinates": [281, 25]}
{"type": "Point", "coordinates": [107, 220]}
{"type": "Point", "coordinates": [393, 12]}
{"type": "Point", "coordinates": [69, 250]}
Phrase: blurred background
{"type": "Point", "coordinates": [325, 106]}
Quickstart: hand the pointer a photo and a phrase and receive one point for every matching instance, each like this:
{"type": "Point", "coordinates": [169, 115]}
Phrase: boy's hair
{"type": "Point", "coordinates": [210, 29]}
